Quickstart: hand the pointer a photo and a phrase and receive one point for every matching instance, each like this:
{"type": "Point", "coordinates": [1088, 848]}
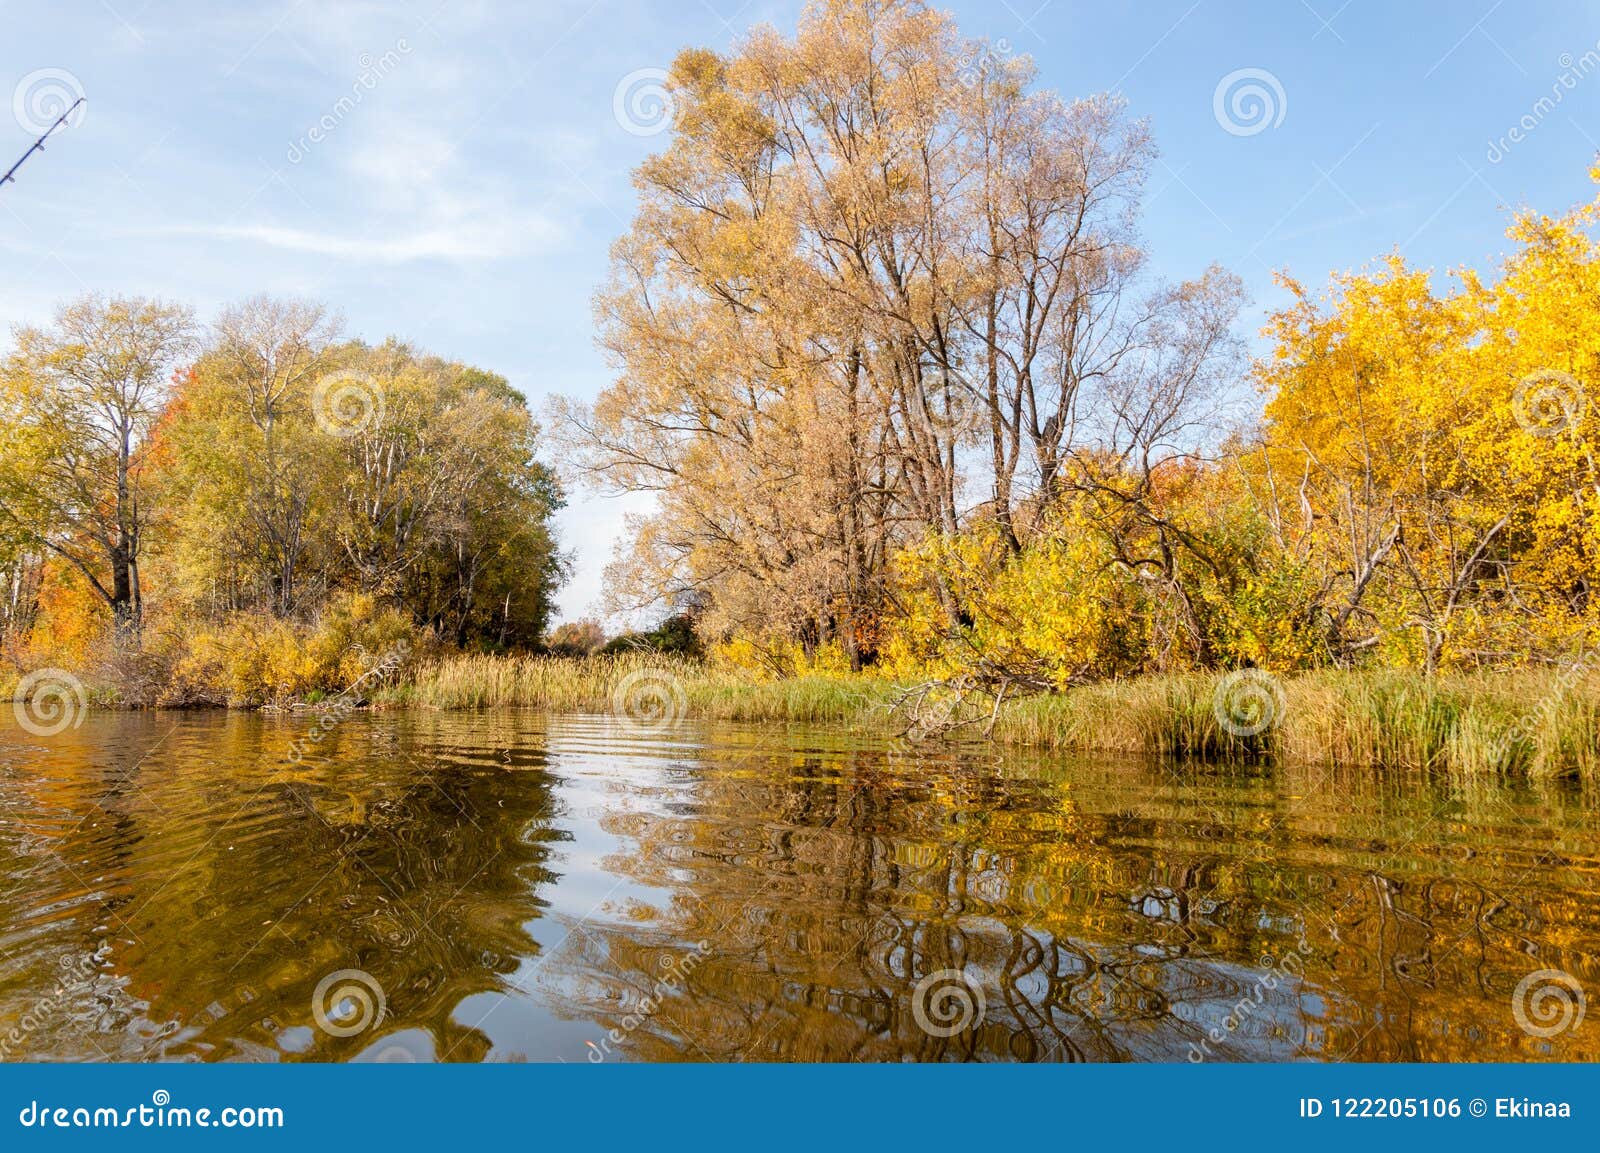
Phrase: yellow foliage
{"type": "Point", "coordinates": [766, 659]}
{"type": "Point", "coordinates": [257, 659]}
{"type": "Point", "coordinates": [1465, 426]}
{"type": "Point", "coordinates": [1058, 611]}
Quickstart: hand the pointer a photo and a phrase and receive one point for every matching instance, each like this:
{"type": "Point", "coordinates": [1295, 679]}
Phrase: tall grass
{"type": "Point", "coordinates": [1535, 723]}
{"type": "Point", "coordinates": [1541, 724]}
{"type": "Point", "coordinates": [592, 685]}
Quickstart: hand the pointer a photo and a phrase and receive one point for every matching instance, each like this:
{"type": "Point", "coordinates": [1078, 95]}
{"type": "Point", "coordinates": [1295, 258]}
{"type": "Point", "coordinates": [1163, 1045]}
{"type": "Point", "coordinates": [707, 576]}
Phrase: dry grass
{"type": "Point", "coordinates": [591, 686]}
{"type": "Point", "coordinates": [1537, 723]}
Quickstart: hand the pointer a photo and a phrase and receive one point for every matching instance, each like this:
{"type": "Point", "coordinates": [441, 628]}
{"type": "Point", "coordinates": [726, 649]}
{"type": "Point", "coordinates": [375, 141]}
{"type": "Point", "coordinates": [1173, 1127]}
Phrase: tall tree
{"type": "Point", "coordinates": [82, 398]}
{"type": "Point", "coordinates": [248, 467]}
{"type": "Point", "coordinates": [869, 279]}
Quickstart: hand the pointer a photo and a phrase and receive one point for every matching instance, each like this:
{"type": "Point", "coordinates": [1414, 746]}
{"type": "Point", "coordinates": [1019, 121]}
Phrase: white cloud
{"type": "Point", "coordinates": [473, 240]}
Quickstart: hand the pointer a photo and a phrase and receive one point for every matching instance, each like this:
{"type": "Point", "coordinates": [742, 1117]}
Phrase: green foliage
{"type": "Point", "coordinates": [290, 496]}
{"type": "Point", "coordinates": [675, 635]}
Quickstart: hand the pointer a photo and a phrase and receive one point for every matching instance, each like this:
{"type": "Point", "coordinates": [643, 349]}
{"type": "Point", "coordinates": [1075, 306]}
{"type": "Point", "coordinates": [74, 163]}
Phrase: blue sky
{"type": "Point", "coordinates": [466, 200]}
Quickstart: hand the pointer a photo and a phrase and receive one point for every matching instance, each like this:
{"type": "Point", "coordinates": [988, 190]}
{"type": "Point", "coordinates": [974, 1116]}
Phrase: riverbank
{"type": "Point", "coordinates": [1542, 724]}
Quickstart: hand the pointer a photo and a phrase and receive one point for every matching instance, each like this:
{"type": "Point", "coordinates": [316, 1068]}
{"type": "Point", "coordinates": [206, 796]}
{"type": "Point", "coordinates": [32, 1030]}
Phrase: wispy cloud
{"type": "Point", "coordinates": [1345, 220]}
{"type": "Point", "coordinates": [479, 241]}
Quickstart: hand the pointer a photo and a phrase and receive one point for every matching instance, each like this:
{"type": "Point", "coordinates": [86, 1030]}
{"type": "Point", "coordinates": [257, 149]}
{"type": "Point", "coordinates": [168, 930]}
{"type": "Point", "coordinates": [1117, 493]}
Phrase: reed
{"type": "Point", "coordinates": [1538, 724]}
{"type": "Point", "coordinates": [593, 685]}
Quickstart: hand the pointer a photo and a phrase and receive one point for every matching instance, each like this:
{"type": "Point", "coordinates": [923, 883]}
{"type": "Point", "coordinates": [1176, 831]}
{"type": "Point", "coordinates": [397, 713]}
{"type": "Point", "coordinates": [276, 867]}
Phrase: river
{"type": "Point", "coordinates": [510, 886]}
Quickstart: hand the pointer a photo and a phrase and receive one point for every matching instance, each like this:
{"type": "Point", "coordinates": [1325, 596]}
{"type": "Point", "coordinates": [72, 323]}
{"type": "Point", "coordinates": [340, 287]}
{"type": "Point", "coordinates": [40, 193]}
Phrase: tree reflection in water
{"type": "Point", "coordinates": [531, 888]}
{"type": "Point", "coordinates": [1106, 911]}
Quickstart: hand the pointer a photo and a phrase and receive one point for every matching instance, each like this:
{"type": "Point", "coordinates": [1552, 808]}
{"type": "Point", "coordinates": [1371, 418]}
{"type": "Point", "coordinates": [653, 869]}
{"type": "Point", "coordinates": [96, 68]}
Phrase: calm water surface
{"type": "Point", "coordinates": [510, 886]}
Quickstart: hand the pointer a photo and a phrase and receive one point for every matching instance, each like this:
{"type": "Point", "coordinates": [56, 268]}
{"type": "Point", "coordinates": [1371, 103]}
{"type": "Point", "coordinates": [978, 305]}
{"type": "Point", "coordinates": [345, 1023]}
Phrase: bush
{"type": "Point", "coordinates": [675, 636]}
{"type": "Point", "coordinates": [253, 659]}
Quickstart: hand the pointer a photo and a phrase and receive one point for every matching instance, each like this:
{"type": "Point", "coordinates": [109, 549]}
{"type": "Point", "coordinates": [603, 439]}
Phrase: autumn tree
{"type": "Point", "coordinates": [578, 638]}
{"type": "Point", "coordinates": [248, 463]}
{"type": "Point", "coordinates": [308, 465]}
{"type": "Point", "coordinates": [867, 281]}
{"type": "Point", "coordinates": [82, 397]}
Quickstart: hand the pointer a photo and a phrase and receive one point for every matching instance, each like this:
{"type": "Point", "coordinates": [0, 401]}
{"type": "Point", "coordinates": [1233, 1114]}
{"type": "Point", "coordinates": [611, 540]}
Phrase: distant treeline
{"type": "Point", "coordinates": [185, 510]}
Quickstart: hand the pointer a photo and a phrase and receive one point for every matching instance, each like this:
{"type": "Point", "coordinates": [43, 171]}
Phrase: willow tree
{"type": "Point", "coordinates": [877, 285]}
